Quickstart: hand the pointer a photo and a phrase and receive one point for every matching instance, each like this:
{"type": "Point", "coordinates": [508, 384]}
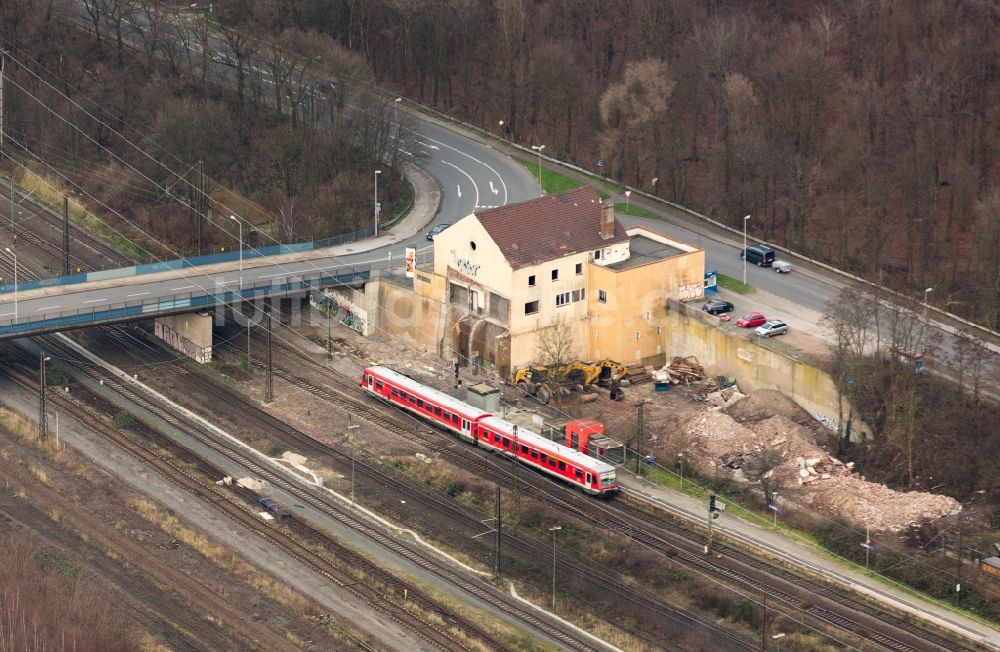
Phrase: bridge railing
{"type": "Point", "coordinates": [180, 302]}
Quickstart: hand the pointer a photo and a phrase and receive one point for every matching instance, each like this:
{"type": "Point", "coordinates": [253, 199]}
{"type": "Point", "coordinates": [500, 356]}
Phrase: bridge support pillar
{"type": "Point", "coordinates": [190, 333]}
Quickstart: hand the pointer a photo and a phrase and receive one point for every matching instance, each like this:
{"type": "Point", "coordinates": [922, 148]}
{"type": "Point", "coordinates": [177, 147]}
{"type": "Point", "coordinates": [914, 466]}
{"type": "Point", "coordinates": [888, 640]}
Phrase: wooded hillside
{"type": "Point", "coordinates": [863, 132]}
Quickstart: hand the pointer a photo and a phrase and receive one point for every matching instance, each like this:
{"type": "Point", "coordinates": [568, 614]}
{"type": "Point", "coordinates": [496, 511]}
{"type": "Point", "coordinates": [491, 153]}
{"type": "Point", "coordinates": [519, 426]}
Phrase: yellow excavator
{"type": "Point", "coordinates": [543, 382]}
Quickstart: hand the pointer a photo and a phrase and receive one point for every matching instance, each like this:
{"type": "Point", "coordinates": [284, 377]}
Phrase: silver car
{"type": "Point", "coordinates": [782, 266]}
{"type": "Point", "coordinates": [772, 328]}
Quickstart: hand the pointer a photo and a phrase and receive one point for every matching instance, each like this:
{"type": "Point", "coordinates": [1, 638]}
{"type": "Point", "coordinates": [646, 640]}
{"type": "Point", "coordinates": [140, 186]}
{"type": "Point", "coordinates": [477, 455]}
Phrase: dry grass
{"type": "Point", "coordinates": [27, 432]}
{"type": "Point", "coordinates": [149, 644]}
{"type": "Point", "coordinates": [39, 474]}
{"type": "Point", "coordinates": [199, 542]}
{"type": "Point", "coordinates": [278, 592]}
{"type": "Point", "coordinates": [47, 604]}
{"type": "Point", "coordinates": [51, 191]}
{"type": "Point", "coordinates": [220, 555]}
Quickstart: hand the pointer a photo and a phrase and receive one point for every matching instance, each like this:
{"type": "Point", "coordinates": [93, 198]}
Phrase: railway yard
{"type": "Point", "coordinates": [390, 539]}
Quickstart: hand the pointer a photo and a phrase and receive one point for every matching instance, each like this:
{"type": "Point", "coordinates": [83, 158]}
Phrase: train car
{"type": "Point", "coordinates": [578, 469]}
{"type": "Point", "coordinates": [483, 429]}
{"type": "Point", "coordinates": [425, 402]}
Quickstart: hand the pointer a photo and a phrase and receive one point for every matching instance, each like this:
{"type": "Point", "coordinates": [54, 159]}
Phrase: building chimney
{"type": "Point", "coordinates": [607, 221]}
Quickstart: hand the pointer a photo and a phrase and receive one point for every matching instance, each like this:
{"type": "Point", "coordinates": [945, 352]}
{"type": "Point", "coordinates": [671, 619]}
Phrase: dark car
{"type": "Point", "coordinates": [717, 306]}
{"type": "Point", "coordinates": [751, 320]}
{"type": "Point", "coordinates": [437, 228]}
{"type": "Point", "coordinates": [758, 254]}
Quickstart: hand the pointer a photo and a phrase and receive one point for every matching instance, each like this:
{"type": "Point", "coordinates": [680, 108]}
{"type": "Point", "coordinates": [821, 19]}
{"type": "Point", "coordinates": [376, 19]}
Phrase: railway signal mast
{"type": "Point", "coordinates": [715, 507]}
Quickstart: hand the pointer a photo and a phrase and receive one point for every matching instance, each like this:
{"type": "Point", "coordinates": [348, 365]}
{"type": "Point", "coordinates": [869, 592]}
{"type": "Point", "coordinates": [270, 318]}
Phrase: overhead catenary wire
{"type": "Point", "coordinates": [382, 330]}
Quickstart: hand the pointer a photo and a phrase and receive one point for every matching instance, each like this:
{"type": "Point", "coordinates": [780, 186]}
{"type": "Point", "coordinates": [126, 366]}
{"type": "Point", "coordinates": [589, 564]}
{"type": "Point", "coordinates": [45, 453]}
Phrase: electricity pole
{"type": "Point", "coordinates": [42, 425]}
{"type": "Point", "coordinates": [638, 436]}
{"type": "Point", "coordinates": [268, 380]}
{"type": "Point", "coordinates": [496, 544]}
{"type": "Point", "coordinates": [65, 235]}
{"type": "Point", "coordinates": [514, 459]}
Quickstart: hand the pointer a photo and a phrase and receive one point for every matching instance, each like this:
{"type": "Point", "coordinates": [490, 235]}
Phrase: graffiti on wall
{"type": "Point", "coordinates": [690, 291]}
{"type": "Point", "coordinates": [342, 310]}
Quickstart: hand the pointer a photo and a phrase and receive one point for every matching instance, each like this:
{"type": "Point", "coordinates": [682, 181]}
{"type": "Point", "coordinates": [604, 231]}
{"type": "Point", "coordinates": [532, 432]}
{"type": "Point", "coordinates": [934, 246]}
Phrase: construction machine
{"type": "Point", "coordinates": [544, 382]}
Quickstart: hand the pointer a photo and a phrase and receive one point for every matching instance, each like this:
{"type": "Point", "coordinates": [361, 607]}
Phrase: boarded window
{"type": "Point", "coordinates": [458, 295]}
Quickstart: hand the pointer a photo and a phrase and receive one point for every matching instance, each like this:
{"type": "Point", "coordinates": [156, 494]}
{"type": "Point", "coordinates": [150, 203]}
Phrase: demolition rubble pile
{"type": "Point", "coordinates": [684, 370]}
{"type": "Point", "coordinates": [807, 476]}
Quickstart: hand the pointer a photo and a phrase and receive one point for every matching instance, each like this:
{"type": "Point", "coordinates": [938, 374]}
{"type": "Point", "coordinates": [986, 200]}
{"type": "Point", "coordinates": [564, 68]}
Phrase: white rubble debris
{"type": "Point", "coordinates": [812, 478]}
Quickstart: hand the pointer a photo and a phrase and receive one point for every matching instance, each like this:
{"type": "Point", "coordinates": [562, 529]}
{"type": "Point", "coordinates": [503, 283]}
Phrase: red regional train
{"type": "Point", "coordinates": [485, 430]}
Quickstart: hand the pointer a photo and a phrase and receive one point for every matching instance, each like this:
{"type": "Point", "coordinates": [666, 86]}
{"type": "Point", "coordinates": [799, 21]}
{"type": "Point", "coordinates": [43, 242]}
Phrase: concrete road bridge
{"type": "Point", "coordinates": [173, 287]}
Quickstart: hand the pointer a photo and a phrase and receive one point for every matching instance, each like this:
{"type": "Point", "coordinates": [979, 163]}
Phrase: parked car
{"type": "Point", "coordinates": [717, 306]}
{"type": "Point", "coordinates": [772, 328]}
{"type": "Point", "coordinates": [437, 228]}
{"type": "Point", "coordinates": [781, 266]}
{"type": "Point", "coordinates": [750, 320]}
{"type": "Point", "coordinates": [274, 507]}
{"type": "Point", "coordinates": [758, 254]}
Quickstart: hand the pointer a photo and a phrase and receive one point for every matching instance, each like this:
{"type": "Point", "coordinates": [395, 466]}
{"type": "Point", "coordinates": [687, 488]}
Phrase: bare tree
{"type": "Point", "coordinates": [95, 10]}
{"type": "Point", "coordinates": [242, 46]}
{"type": "Point", "coordinates": [115, 13]}
{"type": "Point", "coordinates": [850, 315]}
{"type": "Point", "coordinates": [556, 343]}
{"type": "Point", "coordinates": [630, 111]}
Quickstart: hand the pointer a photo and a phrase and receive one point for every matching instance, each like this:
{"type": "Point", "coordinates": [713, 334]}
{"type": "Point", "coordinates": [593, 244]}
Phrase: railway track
{"type": "Point", "coordinates": [384, 476]}
{"type": "Point", "coordinates": [429, 501]}
{"type": "Point", "coordinates": [53, 246]}
{"type": "Point", "coordinates": [243, 513]}
{"type": "Point", "coordinates": [781, 587]}
{"type": "Point", "coordinates": [312, 497]}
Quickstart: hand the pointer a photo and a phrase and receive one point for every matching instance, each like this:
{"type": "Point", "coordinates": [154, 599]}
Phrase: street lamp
{"type": "Point", "coordinates": [377, 172]}
{"type": "Point", "coordinates": [655, 179]}
{"type": "Point", "coordinates": [926, 292]}
{"type": "Point", "coordinates": [745, 220]}
{"type": "Point", "coordinates": [240, 225]}
{"type": "Point", "coordinates": [14, 256]}
{"type": "Point", "coordinates": [538, 148]}
{"type": "Point", "coordinates": [680, 462]}
{"type": "Point", "coordinates": [553, 530]}
{"type": "Point", "coordinates": [628, 193]}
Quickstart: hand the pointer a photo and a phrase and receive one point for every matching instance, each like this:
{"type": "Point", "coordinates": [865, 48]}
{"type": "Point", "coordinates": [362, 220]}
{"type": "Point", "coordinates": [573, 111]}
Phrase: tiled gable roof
{"type": "Point", "coordinates": [550, 227]}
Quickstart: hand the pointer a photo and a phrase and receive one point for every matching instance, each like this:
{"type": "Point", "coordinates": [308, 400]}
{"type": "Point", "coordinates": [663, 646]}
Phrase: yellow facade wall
{"type": "Point", "coordinates": [755, 366]}
{"type": "Point", "coordinates": [628, 326]}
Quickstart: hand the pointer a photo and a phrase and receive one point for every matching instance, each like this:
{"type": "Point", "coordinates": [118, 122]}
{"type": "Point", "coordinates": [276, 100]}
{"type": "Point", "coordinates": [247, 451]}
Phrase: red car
{"type": "Point", "coordinates": [751, 320]}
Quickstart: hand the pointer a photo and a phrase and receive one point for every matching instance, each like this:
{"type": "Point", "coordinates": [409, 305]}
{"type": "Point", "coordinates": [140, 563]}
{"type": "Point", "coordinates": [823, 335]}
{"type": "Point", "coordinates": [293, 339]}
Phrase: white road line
{"type": "Point", "coordinates": [49, 308]}
{"type": "Point", "coordinates": [185, 287]}
{"type": "Point", "coordinates": [220, 283]}
{"type": "Point", "coordinates": [471, 180]}
{"type": "Point", "coordinates": [6, 314]}
{"type": "Point", "coordinates": [503, 184]}
{"type": "Point", "coordinates": [137, 294]}
{"type": "Point", "coordinates": [93, 301]}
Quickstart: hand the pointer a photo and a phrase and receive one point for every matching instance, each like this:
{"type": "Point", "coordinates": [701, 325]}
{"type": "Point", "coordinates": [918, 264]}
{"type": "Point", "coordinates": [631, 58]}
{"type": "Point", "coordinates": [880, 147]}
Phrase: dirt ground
{"type": "Point", "coordinates": [808, 476]}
